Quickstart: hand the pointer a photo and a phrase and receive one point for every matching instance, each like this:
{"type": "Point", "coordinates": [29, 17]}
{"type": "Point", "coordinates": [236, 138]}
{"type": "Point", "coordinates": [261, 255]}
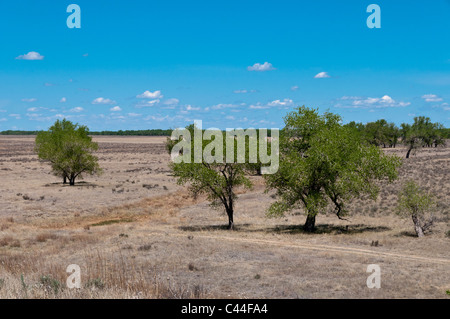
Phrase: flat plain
{"type": "Point", "coordinates": [135, 233]}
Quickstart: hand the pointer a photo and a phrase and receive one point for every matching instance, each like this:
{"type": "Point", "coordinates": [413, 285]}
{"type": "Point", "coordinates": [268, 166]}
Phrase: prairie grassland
{"type": "Point", "coordinates": [136, 234]}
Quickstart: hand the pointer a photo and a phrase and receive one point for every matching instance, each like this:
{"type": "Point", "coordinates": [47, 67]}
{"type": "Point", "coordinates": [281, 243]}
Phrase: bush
{"type": "Point", "coordinates": [417, 204]}
{"type": "Point", "coordinates": [51, 284]}
{"type": "Point", "coordinates": [95, 283]}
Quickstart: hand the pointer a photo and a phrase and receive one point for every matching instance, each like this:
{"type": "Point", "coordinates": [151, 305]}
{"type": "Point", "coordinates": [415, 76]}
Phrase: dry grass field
{"type": "Point", "coordinates": [136, 234]}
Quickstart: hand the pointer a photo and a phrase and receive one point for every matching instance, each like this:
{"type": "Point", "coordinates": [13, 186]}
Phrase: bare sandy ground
{"type": "Point", "coordinates": [141, 235]}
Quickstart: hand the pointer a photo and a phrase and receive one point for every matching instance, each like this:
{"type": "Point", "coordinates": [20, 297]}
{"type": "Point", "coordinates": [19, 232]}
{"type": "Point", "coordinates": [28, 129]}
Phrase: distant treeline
{"type": "Point", "coordinates": [154, 132]}
{"type": "Point", "coordinates": [379, 133]}
{"type": "Point", "coordinates": [10, 132]}
{"type": "Point", "coordinates": [382, 133]}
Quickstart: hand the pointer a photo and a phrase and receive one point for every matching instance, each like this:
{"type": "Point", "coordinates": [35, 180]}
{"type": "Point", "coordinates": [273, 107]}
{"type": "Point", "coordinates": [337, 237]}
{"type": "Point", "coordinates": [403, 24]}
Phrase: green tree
{"type": "Point", "coordinates": [322, 163]}
{"type": "Point", "coordinates": [376, 132]}
{"type": "Point", "coordinates": [422, 133]}
{"type": "Point", "coordinates": [392, 134]}
{"type": "Point", "coordinates": [216, 179]}
{"type": "Point", "coordinates": [416, 203]}
{"type": "Point", "coordinates": [381, 133]}
{"type": "Point", "coordinates": [68, 148]}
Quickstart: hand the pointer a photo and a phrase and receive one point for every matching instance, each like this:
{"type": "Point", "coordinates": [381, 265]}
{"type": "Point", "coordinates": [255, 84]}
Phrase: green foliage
{"type": "Point", "coordinates": [378, 133]}
{"type": "Point", "coordinates": [382, 133]}
{"type": "Point", "coordinates": [152, 132]}
{"type": "Point", "coordinates": [322, 163]}
{"type": "Point", "coordinates": [416, 203]}
{"type": "Point", "coordinates": [96, 283]}
{"type": "Point", "coordinates": [422, 133]}
{"type": "Point", "coordinates": [50, 283]}
{"type": "Point", "coordinates": [24, 285]}
{"type": "Point", "coordinates": [413, 200]}
{"type": "Point", "coordinates": [216, 179]}
{"type": "Point", "coordinates": [68, 148]}
{"type": "Point", "coordinates": [15, 132]}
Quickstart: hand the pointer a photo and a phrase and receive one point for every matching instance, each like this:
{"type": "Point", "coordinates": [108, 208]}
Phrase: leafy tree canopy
{"type": "Point", "coordinates": [322, 163]}
{"type": "Point", "coordinates": [68, 148]}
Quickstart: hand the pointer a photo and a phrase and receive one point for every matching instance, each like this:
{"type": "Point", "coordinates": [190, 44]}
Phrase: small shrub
{"type": "Point", "coordinates": [417, 204]}
{"type": "Point", "coordinates": [96, 283]}
{"type": "Point", "coordinates": [42, 238]}
{"type": "Point", "coordinates": [8, 240]}
{"type": "Point", "coordinates": [145, 247]}
{"type": "Point", "coordinates": [191, 267]}
{"type": "Point", "coordinates": [5, 241]}
{"type": "Point", "coordinates": [50, 283]}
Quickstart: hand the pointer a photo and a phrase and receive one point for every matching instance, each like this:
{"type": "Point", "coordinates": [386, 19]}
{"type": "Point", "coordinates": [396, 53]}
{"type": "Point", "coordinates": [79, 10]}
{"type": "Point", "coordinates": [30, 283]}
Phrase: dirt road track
{"type": "Point", "coordinates": [325, 248]}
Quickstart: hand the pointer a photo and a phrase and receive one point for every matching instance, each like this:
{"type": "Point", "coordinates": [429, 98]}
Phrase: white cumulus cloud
{"type": "Point", "coordinates": [431, 98]}
{"type": "Point", "coordinates": [101, 100]}
{"type": "Point", "coordinates": [115, 109]}
{"type": "Point", "coordinates": [191, 108]}
{"type": "Point", "coordinates": [370, 102]}
{"type": "Point", "coordinates": [63, 100]}
{"type": "Point", "coordinates": [150, 95]}
{"type": "Point", "coordinates": [322, 75]}
{"type": "Point", "coordinates": [285, 102]}
{"type": "Point", "coordinates": [266, 66]}
{"type": "Point", "coordinates": [76, 109]}
{"type": "Point", "coordinates": [148, 103]}
{"type": "Point", "coordinates": [30, 56]}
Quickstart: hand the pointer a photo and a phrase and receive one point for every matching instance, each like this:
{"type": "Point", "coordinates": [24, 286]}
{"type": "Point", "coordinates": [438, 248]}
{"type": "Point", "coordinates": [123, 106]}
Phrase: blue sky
{"type": "Point", "coordinates": [163, 64]}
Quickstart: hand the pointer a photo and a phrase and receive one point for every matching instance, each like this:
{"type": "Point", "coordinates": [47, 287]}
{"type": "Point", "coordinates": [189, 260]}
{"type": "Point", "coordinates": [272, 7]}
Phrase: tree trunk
{"type": "Point", "coordinates": [72, 180]}
{"type": "Point", "coordinates": [417, 226]}
{"type": "Point", "coordinates": [65, 180]}
{"type": "Point", "coordinates": [409, 151]}
{"type": "Point", "coordinates": [310, 223]}
{"type": "Point", "coordinates": [230, 219]}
